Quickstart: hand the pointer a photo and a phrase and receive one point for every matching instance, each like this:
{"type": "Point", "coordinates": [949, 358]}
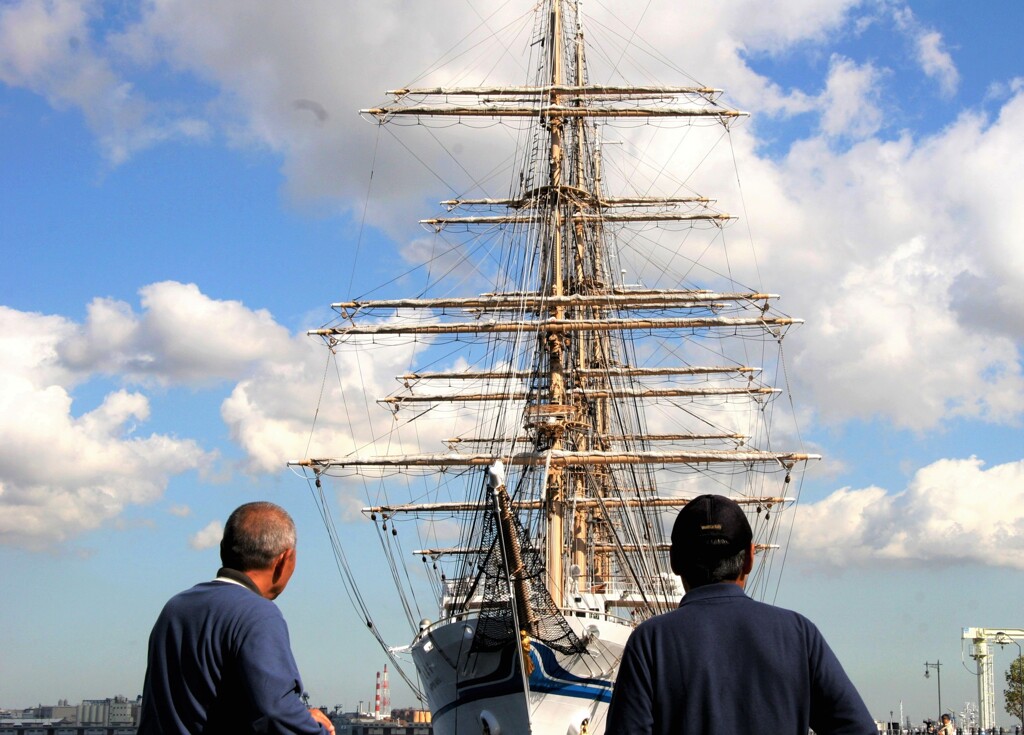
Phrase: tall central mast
{"type": "Point", "coordinates": [595, 406]}
{"type": "Point", "coordinates": [582, 456]}
{"type": "Point", "coordinates": [555, 344]}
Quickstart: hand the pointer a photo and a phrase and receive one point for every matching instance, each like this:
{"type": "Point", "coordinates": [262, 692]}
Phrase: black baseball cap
{"type": "Point", "coordinates": [710, 527]}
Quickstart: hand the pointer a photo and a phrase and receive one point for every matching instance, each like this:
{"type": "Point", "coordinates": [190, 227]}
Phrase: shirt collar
{"type": "Point", "coordinates": [226, 574]}
{"type": "Point", "coordinates": [710, 591]}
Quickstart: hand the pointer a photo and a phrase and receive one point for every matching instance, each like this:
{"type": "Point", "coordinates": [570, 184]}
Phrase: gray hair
{"type": "Point", "coordinates": [728, 569]}
{"type": "Point", "coordinates": [255, 534]}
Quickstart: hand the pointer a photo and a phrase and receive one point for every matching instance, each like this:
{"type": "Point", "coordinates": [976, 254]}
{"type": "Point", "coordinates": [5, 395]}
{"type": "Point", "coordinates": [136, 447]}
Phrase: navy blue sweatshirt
{"type": "Point", "coordinates": [724, 664]}
{"type": "Point", "coordinates": [220, 661]}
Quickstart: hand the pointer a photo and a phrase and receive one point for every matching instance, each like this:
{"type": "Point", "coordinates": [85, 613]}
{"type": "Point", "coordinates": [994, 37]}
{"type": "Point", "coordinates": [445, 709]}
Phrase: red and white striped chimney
{"type": "Point", "coordinates": [376, 699]}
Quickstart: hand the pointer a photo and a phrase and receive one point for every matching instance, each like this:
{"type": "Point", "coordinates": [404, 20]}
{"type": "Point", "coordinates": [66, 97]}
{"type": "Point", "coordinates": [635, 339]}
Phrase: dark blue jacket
{"type": "Point", "coordinates": [724, 664]}
{"type": "Point", "coordinates": [220, 662]}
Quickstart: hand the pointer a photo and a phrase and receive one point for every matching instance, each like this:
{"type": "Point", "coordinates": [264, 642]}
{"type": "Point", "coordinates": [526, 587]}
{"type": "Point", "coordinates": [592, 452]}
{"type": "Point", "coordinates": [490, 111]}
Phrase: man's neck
{"type": "Point", "coordinates": [741, 583]}
{"type": "Point", "coordinates": [233, 575]}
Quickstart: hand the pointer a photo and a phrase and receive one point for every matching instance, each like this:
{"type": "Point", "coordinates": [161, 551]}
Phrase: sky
{"type": "Point", "coordinates": [183, 193]}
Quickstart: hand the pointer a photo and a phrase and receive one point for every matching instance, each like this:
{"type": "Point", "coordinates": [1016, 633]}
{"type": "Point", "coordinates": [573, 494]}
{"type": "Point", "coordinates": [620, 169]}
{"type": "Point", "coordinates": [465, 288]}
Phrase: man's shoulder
{"type": "Point", "coordinates": [215, 588]}
{"type": "Point", "coordinates": [724, 601]}
{"type": "Point", "coordinates": [216, 594]}
{"type": "Point", "coordinates": [783, 616]}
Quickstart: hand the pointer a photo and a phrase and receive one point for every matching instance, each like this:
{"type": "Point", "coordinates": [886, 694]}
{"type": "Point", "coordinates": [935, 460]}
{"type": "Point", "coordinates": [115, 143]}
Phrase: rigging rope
{"type": "Point", "coordinates": [350, 584]}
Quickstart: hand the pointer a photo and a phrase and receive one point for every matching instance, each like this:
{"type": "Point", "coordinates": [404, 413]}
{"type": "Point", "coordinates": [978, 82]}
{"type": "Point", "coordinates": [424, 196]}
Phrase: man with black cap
{"type": "Point", "coordinates": [722, 663]}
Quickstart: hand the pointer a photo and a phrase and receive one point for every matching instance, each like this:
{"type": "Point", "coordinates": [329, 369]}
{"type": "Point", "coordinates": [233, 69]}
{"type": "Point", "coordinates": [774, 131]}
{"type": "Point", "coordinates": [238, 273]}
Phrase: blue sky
{"type": "Point", "coordinates": [174, 215]}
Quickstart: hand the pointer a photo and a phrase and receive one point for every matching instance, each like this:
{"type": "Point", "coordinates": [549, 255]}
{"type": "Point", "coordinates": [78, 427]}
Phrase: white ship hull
{"type": "Point", "coordinates": [484, 692]}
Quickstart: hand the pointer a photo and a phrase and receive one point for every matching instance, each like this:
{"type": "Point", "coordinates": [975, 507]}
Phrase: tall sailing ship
{"type": "Point", "coordinates": [586, 407]}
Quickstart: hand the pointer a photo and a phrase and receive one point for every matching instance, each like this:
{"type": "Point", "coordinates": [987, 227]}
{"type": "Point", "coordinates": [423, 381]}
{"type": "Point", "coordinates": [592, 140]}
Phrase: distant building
{"type": "Point", "coordinates": [104, 715]}
{"type": "Point", "coordinates": [93, 712]}
{"type": "Point", "coordinates": [353, 723]}
{"type": "Point", "coordinates": [122, 712]}
{"type": "Point", "coordinates": [60, 712]}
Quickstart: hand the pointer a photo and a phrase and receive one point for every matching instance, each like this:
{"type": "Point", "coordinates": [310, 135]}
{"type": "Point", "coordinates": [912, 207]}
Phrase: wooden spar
{"type": "Point", "coordinates": [584, 392]}
{"type": "Point", "coordinates": [603, 203]}
{"type": "Point", "coordinates": [610, 438]}
{"type": "Point", "coordinates": [649, 201]}
{"type": "Point", "coordinates": [628, 549]}
{"type": "Point", "coordinates": [562, 458]}
{"type": "Point", "coordinates": [635, 549]}
{"type": "Point", "coordinates": [525, 219]}
{"type": "Point", "coordinates": [552, 112]}
{"type": "Point", "coordinates": [560, 89]}
{"type": "Point", "coordinates": [558, 326]}
{"type": "Point", "coordinates": [620, 300]}
{"type": "Point", "coordinates": [614, 372]}
{"type": "Point", "coordinates": [674, 437]}
{"type": "Point", "coordinates": [579, 502]}
{"type": "Point", "coordinates": [496, 441]}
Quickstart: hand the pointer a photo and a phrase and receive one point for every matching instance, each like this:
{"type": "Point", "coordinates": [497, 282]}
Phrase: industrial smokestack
{"type": "Point", "coordinates": [376, 699]}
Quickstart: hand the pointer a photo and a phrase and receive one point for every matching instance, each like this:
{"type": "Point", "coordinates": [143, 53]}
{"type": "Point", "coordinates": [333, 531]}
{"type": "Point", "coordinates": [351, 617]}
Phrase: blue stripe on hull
{"type": "Point", "coordinates": [548, 677]}
{"type": "Point", "coordinates": [503, 681]}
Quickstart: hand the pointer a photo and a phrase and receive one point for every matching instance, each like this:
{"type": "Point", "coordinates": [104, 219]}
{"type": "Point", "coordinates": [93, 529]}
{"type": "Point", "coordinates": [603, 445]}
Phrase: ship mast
{"type": "Point", "coordinates": [580, 434]}
{"type": "Point", "coordinates": [552, 343]}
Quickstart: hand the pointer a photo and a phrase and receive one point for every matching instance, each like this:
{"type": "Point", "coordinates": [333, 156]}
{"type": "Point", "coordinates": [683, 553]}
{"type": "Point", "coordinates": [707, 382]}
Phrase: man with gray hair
{"type": "Point", "coordinates": [722, 663]}
{"type": "Point", "coordinates": [220, 660]}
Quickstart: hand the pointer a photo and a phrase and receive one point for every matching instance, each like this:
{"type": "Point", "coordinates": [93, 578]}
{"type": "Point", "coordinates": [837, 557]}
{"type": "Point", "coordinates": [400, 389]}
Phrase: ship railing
{"type": "Point", "coordinates": [615, 606]}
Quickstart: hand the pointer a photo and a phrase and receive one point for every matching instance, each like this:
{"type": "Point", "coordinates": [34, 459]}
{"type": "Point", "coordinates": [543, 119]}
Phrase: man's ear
{"type": "Point", "coordinates": [748, 565]}
{"type": "Point", "coordinates": [281, 563]}
{"type": "Point", "coordinates": [673, 560]}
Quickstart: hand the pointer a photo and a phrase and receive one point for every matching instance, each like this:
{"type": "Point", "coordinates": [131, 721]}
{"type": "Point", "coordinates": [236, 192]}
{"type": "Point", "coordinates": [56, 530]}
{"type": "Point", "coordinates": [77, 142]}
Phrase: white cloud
{"type": "Point", "coordinates": [904, 257]}
{"type": "Point", "coordinates": [28, 347]}
{"type": "Point", "coordinates": [952, 511]}
{"type": "Point", "coordinates": [182, 336]}
{"type": "Point", "coordinates": [63, 472]}
{"type": "Point", "coordinates": [890, 342]}
{"type": "Point", "coordinates": [936, 62]}
{"type": "Point", "coordinates": [47, 46]}
{"type": "Point", "coordinates": [850, 100]}
{"type": "Point", "coordinates": [84, 470]}
{"type": "Point", "coordinates": [290, 80]}
{"type": "Point", "coordinates": [208, 537]}
{"type": "Point", "coordinates": [61, 475]}
{"type": "Point", "coordinates": [269, 413]}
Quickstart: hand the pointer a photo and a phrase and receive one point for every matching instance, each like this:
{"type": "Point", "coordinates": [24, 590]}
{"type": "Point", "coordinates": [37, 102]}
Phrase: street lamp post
{"type": "Point", "coordinates": [1020, 671]}
{"type": "Point", "coordinates": [938, 678]}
